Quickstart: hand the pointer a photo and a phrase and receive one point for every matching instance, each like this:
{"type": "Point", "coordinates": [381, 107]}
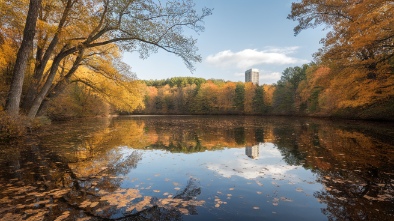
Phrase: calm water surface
{"type": "Point", "coordinates": [201, 168]}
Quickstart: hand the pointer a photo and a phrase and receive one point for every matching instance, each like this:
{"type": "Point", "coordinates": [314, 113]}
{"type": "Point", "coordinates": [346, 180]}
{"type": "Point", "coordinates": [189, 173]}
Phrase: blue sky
{"type": "Point", "coordinates": [239, 35]}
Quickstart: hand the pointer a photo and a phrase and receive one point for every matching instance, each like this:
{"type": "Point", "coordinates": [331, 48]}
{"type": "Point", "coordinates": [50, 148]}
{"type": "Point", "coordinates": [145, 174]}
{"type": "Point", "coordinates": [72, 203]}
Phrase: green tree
{"type": "Point", "coordinates": [285, 94]}
{"type": "Point", "coordinates": [259, 106]}
{"type": "Point", "coordinates": [239, 98]}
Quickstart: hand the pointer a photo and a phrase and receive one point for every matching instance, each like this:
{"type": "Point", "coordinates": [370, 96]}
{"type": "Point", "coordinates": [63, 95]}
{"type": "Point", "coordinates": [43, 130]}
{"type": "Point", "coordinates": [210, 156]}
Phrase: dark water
{"type": "Point", "coordinates": [201, 168]}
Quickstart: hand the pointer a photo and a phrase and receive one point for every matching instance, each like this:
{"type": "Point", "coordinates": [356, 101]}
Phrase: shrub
{"type": "Point", "coordinates": [11, 128]}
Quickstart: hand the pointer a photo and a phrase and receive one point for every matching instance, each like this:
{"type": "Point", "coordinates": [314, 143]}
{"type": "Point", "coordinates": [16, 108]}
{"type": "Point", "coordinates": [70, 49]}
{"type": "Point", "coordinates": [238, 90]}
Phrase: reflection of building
{"type": "Point", "coordinates": [252, 152]}
{"type": "Point", "coordinates": [252, 75]}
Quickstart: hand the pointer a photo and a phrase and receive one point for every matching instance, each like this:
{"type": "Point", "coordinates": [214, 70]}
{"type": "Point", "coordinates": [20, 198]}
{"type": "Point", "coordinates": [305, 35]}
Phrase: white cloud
{"type": "Point", "coordinates": [251, 57]}
{"type": "Point", "coordinates": [270, 78]}
{"type": "Point", "coordinates": [285, 50]}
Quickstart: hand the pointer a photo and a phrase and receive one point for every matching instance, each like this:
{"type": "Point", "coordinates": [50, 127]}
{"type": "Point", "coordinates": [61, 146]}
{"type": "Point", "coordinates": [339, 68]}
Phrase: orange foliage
{"type": "Point", "coordinates": [249, 94]}
{"type": "Point", "coordinates": [268, 93]}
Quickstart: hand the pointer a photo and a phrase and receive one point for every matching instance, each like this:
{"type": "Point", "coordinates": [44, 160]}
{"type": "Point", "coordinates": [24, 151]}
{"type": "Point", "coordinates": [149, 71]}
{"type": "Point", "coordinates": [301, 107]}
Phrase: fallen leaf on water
{"type": "Point", "coordinates": [275, 201]}
{"type": "Point", "coordinates": [64, 216]}
{"type": "Point", "coordinates": [286, 199]}
{"type": "Point", "coordinates": [184, 211]}
{"type": "Point", "coordinates": [94, 204]}
{"type": "Point", "coordinates": [141, 205]}
{"type": "Point", "coordinates": [85, 204]}
{"type": "Point", "coordinates": [259, 183]}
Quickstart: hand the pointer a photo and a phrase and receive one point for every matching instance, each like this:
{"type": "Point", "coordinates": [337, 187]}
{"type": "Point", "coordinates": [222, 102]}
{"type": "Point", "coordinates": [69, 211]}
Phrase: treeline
{"type": "Point", "coordinates": [187, 95]}
{"type": "Point", "coordinates": [307, 90]}
{"type": "Point", "coordinates": [80, 73]}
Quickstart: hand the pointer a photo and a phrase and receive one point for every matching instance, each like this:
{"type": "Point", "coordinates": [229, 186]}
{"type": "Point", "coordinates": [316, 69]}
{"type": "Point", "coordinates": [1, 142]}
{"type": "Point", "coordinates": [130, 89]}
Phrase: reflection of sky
{"type": "Point", "coordinates": [229, 175]}
{"type": "Point", "coordinates": [269, 163]}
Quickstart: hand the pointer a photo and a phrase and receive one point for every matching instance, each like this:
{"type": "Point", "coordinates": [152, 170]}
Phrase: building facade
{"type": "Point", "coordinates": [252, 75]}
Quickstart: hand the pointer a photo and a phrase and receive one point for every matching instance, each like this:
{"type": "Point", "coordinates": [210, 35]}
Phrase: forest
{"type": "Point", "coordinates": [63, 59]}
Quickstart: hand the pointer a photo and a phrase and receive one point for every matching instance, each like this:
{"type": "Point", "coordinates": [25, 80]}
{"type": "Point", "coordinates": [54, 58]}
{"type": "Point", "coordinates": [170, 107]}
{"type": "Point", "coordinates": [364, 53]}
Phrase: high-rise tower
{"type": "Point", "coordinates": [252, 75]}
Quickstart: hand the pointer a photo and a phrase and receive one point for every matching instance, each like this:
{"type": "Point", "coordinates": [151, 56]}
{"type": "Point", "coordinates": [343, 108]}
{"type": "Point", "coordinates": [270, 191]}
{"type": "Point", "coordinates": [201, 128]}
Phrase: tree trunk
{"type": "Point", "coordinates": [42, 60]}
{"type": "Point", "coordinates": [55, 92]}
{"type": "Point", "coordinates": [48, 84]}
{"type": "Point", "coordinates": [44, 90]}
{"type": "Point", "coordinates": [15, 92]}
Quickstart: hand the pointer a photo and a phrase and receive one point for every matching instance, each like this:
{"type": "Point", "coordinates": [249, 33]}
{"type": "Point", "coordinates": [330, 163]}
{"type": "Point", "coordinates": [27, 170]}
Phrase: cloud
{"type": "Point", "coordinates": [285, 50]}
{"type": "Point", "coordinates": [270, 78]}
{"type": "Point", "coordinates": [251, 57]}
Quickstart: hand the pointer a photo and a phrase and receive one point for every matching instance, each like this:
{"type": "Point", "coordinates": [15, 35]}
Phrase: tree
{"type": "Point", "coordinates": [225, 97]}
{"type": "Point", "coordinates": [285, 96]}
{"type": "Point", "coordinates": [259, 106]}
{"type": "Point", "coordinates": [75, 31]}
{"type": "Point", "coordinates": [361, 32]}
{"type": "Point", "coordinates": [14, 95]}
{"type": "Point", "coordinates": [249, 95]}
{"type": "Point", "coordinates": [239, 98]}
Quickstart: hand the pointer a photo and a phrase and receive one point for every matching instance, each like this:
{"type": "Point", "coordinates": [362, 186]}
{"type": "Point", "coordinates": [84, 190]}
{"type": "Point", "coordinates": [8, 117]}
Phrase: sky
{"type": "Point", "coordinates": [239, 35]}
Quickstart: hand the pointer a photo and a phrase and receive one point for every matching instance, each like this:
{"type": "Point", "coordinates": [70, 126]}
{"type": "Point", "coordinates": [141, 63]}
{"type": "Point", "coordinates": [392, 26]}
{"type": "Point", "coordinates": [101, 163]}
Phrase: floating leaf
{"type": "Point", "coordinates": [275, 201]}
{"type": "Point", "coordinates": [286, 199]}
{"type": "Point", "coordinates": [64, 216]}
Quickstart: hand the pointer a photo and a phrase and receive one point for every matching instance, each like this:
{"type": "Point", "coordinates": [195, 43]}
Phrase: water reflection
{"type": "Point", "coordinates": [162, 168]}
{"type": "Point", "coordinates": [252, 152]}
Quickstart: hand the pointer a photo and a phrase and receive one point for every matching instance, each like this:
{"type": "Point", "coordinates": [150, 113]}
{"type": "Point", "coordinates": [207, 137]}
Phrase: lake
{"type": "Point", "coordinates": [201, 168]}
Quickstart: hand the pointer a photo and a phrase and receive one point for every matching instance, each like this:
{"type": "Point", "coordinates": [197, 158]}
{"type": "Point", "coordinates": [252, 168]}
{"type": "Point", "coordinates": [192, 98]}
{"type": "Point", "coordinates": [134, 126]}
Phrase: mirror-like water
{"type": "Point", "coordinates": [201, 168]}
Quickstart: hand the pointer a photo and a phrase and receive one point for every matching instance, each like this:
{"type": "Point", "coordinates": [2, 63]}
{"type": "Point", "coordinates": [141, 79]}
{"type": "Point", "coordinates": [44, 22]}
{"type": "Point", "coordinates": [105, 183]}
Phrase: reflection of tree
{"type": "Point", "coordinates": [239, 135]}
{"type": "Point", "coordinates": [286, 141]}
{"type": "Point", "coordinates": [259, 135]}
{"type": "Point", "coordinates": [354, 168]}
{"type": "Point", "coordinates": [61, 188]}
{"type": "Point", "coordinates": [80, 168]}
{"type": "Point", "coordinates": [360, 194]}
{"type": "Point", "coordinates": [162, 211]}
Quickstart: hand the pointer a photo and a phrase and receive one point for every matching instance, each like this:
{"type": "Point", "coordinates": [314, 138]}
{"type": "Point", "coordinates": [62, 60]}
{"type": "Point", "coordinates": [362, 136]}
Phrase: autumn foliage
{"type": "Point", "coordinates": [202, 97]}
{"type": "Point", "coordinates": [354, 73]}
{"type": "Point", "coordinates": [75, 68]}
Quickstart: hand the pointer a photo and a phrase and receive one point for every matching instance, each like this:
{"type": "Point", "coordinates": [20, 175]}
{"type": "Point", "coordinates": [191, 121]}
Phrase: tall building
{"type": "Point", "coordinates": [252, 75]}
